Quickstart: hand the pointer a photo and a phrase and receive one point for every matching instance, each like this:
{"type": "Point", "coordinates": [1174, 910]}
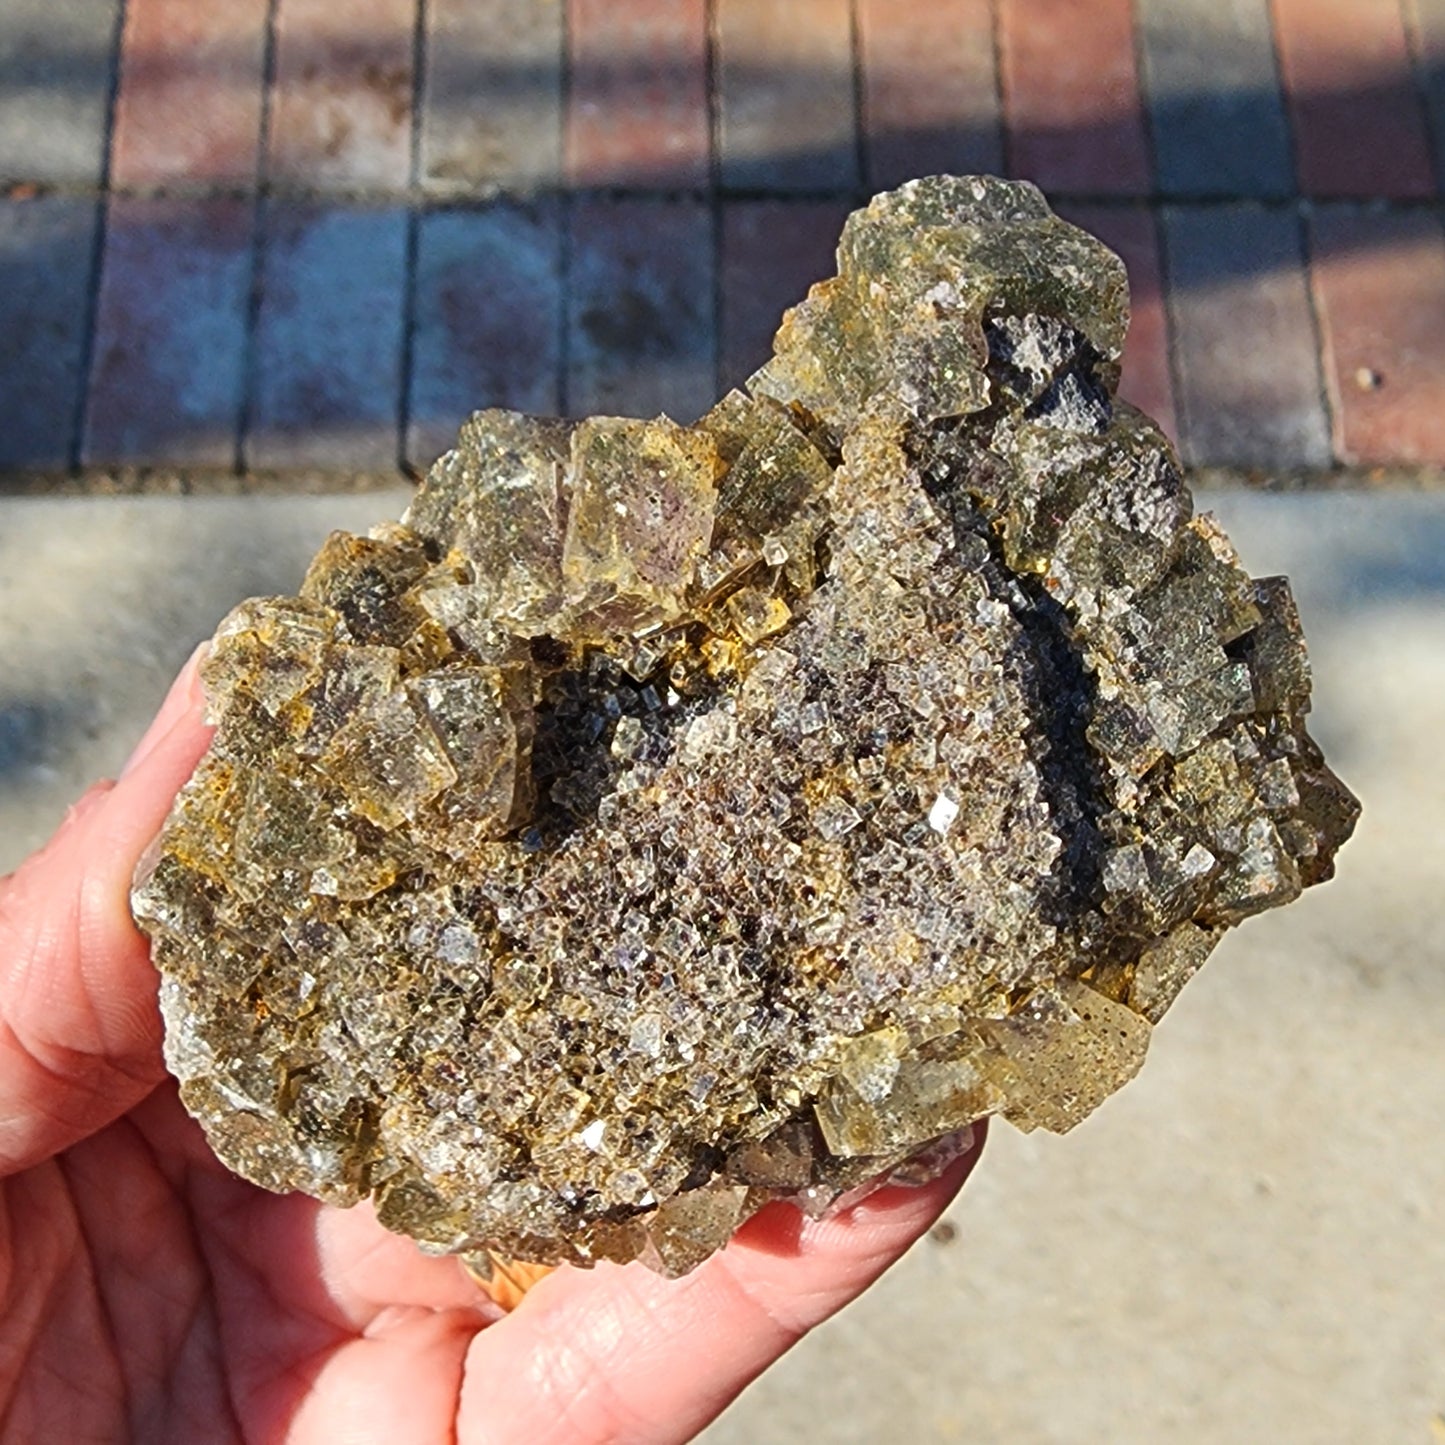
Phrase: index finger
{"type": "Point", "coordinates": [79, 1029]}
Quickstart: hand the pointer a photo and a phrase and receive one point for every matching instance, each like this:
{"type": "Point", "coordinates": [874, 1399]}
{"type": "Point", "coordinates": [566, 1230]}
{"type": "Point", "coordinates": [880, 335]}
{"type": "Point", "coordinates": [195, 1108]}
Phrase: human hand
{"type": "Point", "coordinates": [148, 1294]}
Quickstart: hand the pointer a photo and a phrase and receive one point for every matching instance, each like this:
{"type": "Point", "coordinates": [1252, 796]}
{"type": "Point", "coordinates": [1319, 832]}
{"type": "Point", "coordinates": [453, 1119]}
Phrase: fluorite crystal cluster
{"type": "Point", "coordinates": [666, 819]}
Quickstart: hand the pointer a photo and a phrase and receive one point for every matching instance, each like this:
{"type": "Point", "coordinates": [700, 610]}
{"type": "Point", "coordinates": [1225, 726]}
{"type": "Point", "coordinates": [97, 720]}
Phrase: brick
{"type": "Point", "coordinates": [47, 251]}
{"type": "Point", "coordinates": [492, 102]}
{"type": "Point", "coordinates": [1359, 128]}
{"type": "Point", "coordinates": [486, 319]}
{"type": "Point", "coordinates": [640, 336]}
{"type": "Point", "coordinates": [341, 99]}
{"type": "Point", "coordinates": [1425, 21]}
{"type": "Point", "coordinates": [56, 64]}
{"type": "Point", "coordinates": [326, 378]}
{"type": "Point", "coordinates": [1072, 108]}
{"type": "Point", "coordinates": [1379, 282]}
{"type": "Point", "coordinates": [1250, 391]}
{"type": "Point", "coordinates": [930, 91]}
{"type": "Point", "coordinates": [1133, 232]}
{"type": "Point", "coordinates": [1215, 108]}
{"type": "Point", "coordinates": [167, 378]}
{"type": "Point", "coordinates": [55, 78]}
{"type": "Point", "coordinates": [637, 93]}
{"type": "Point", "coordinates": [786, 95]}
{"type": "Point", "coordinates": [772, 251]}
{"type": "Point", "coordinates": [188, 107]}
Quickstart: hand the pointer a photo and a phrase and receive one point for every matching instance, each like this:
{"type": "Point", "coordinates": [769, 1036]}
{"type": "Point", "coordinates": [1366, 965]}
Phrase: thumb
{"type": "Point", "coordinates": [622, 1354]}
{"type": "Point", "coordinates": [79, 1029]}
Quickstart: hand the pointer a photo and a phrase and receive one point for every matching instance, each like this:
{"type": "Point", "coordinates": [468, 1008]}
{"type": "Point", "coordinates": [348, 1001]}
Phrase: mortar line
{"type": "Point", "coordinates": [94, 274]}
{"type": "Point", "coordinates": [1000, 97]}
{"type": "Point", "coordinates": [1303, 239]}
{"type": "Point", "coordinates": [426, 199]}
{"type": "Point", "coordinates": [405, 398]}
{"type": "Point", "coordinates": [564, 222]}
{"type": "Point", "coordinates": [1154, 211]}
{"type": "Point", "coordinates": [259, 220]}
{"type": "Point", "coordinates": [1415, 44]}
{"type": "Point", "coordinates": [861, 150]}
{"type": "Point", "coordinates": [711, 53]}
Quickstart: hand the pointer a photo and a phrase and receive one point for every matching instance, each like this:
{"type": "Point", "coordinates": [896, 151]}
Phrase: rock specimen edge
{"type": "Point", "coordinates": [661, 820]}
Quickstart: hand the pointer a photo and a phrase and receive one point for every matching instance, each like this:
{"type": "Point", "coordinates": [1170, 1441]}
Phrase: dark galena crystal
{"type": "Point", "coordinates": [661, 820]}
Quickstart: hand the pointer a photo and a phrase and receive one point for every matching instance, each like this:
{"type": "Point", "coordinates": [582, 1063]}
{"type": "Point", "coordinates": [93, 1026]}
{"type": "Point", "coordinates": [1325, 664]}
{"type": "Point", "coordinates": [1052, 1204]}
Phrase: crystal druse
{"type": "Point", "coordinates": [665, 819]}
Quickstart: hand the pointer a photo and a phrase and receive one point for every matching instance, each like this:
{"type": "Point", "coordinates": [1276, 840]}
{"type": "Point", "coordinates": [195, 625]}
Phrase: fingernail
{"type": "Point", "coordinates": [196, 689]}
{"type": "Point", "coordinates": [184, 693]}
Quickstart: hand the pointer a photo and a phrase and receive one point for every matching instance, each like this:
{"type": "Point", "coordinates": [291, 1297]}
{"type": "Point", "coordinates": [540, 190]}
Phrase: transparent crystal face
{"type": "Point", "coordinates": [662, 820]}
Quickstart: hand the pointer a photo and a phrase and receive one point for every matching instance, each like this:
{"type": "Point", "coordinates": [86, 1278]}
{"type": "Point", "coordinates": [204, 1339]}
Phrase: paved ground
{"type": "Point", "coordinates": [1247, 1244]}
{"type": "Point", "coordinates": [242, 236]}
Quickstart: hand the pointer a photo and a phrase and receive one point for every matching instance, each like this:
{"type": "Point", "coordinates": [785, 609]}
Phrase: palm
{"type": "Point", "coordinates": [169, 1300]}
{"type": "Point", "coordinates": [156, 1297]}
{"type": "Point", "coordinates": [147, 1294]}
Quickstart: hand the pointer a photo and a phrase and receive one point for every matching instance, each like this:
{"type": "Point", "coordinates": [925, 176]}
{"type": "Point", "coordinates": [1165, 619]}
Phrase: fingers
{"type": "Point", "coordinates": [621, 1354]}
{"type": "Point", "coordinates": [79, 1031]}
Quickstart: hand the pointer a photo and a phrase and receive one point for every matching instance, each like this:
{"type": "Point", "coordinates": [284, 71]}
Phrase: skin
{"type": "Point", "coordinates": [148, 1294]}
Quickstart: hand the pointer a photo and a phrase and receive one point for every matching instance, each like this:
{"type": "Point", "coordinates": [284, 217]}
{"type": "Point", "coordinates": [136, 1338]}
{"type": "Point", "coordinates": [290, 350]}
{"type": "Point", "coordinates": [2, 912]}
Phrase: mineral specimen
{"type": "Point", "coordinates": [665, 819]}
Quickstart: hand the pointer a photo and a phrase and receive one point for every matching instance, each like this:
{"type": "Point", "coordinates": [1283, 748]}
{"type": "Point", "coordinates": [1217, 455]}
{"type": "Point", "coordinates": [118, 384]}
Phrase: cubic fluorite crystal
{"type": "Point", "coordinates": [665, 819]}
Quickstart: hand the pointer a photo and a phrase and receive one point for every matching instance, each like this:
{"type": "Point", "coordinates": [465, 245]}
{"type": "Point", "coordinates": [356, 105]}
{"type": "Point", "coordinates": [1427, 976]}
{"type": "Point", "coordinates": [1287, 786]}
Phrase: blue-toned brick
{"type": "Point", "coordinates": [1213, 93]}
{"type": "Point", "coordinates": [170, 334]}
{"type": "Point", "coordinates": [772, 251]}
{"type": "Point", "coordinates": [1246, 353]}
{"type": "Point", "coordinates": [640, 309]}
{"type": "Point", "coordinates": [326, 379]}
{"type": "Point", "coordinates": [486, 319]}
{"type": "Point", "coordinates": [47, 251]}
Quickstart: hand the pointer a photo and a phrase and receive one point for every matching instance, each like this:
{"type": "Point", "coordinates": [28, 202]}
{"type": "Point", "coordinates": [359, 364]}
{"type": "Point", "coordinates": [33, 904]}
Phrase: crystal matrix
{"type": "Point", "coordinates": [661, 820]}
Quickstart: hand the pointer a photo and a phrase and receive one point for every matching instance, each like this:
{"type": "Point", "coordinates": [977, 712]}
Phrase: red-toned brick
{"type": "Point", "coordinates": [57, 61]}
{"type": "Point", "coordinates": [640, 335]}
{"type": "Point", "coordinates": [492, 107]}
{"type": "Point", "coordinates": [637, 97]}
{"type": "Point", "coordinates": [326, 375]}
{"type": "Point", "coordinates": [341, 102]}
{"type": "Point", "coordinates": [1133, 232]}
{"type": "Point", "coordinates": [786, 95]}
{"type": "Point", "coordinates": [1072, 108]}
{"type": "Point", "coordinates": [486, 319]}
{"type": "Point", "coordinates": [772, 251]}
{"type": "Point", "coordinates": [930, 91]}
{"type": "Point", "coordinates": [188, 111]}
{"type": "Point", "coordinates": [1359, 126]}
{"type": "Point", "coordinates": [1379, 283]}
{"type": "Point", "coordinates": [170, 334]}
